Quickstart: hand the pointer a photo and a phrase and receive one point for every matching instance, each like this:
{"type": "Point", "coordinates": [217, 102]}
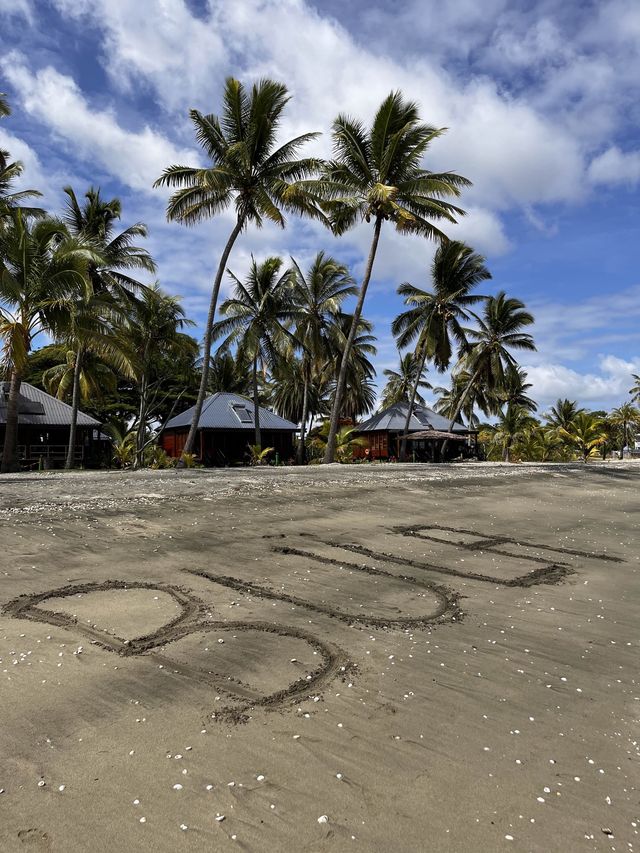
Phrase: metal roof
{"type": "Point", "coordinates": [230, 411]}
{"type": "Point", "coordinates": [394, 418]}
{"type": "Point", "coordinates": [38, 408]}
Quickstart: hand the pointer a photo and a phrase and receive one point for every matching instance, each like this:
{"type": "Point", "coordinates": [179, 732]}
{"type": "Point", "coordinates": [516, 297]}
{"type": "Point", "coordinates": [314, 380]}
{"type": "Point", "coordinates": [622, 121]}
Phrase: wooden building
{"type": "Point", "coordinates": [428, 432]}
{"type": "Point", "coordinates": [226, 430]}
{"type": "Point", "coordinates": [43, 430]}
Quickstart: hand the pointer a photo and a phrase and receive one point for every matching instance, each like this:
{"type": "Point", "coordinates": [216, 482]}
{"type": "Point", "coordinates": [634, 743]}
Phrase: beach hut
{"type": "Point", "coordinates": [428, 432]}
{"type": "Point", "coordinates": [226, 430]}
{"type": "Point", "coordinates": [43, 429]}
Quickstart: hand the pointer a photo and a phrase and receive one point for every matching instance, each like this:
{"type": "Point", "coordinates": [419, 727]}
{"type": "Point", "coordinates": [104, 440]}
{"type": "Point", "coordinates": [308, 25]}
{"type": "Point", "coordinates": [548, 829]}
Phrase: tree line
{"type": "Point", "coordinates": [122, 348]}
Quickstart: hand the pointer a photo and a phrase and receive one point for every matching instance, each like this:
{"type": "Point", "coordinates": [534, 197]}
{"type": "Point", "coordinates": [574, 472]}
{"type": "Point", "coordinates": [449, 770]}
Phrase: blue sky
{"type": "Point", "coordinates": [540, 98]}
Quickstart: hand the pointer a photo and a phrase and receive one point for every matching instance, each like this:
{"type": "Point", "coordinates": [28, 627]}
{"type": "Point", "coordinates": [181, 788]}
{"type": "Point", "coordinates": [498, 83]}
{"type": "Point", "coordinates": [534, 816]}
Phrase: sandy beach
{"type": "Point", "coordinates": [377, 658]}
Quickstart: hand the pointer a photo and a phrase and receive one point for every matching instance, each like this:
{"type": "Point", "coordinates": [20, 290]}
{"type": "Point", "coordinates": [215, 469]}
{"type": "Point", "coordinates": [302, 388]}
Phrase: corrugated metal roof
{"type": "Point", "coordinates": [394, 419]}
{"type": "Point", "coordinates": [38, 408]}
{"type": "Point", "coordinates": [230, 411]}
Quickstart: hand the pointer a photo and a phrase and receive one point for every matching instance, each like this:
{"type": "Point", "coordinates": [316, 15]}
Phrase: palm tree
{"type": "Point", "coordinates": [153, 333]}
{"type": "Point", "coordinates": [377, 175]}
{"type": "Point", "coordinates": [112, 289]}
{"type": "Point", "coordinates": [9, 172]}
{"type": "Point", "coordinates": [359, 394]}
{"type": "Point", "coordinates": [41, 266]}
{"type": "Point", "coordinates": [562, 414]}
{"type": "Point", "coordinates": [585, 434]}
{"type": "Point", "coordinates": [318, 295]}
{"type": "Point", "coordinates": [635, 391]}
{"type": "Point", "coordinates": [403, 384]}
{"type": "Point", "coordinates": [624, 418]}
{"type": "Point", "coordinates": [229, 374]}
{"type": "Point", "coordinates": [487, 357]}
{"type": "Point", "coordinates": [346, 442]}
{"type": "Point", "coordinates": [537, 444]}
{"type": "Point", "coordinates": [96, 378]}
{"type": "Point", "coordinates": [436, 316]}
{"type": "Point", "coordinates": [511, 428]}
{"type": "Point", "coordinates": [513, 391]}
{"type": "Point", "coordinates": [257, 318]}
{"type": "Point", "coordinates": [247, 170]}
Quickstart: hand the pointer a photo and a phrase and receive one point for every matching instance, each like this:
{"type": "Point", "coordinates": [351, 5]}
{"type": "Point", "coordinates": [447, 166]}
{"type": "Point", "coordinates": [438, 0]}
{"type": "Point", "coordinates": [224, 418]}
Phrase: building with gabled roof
{"type": "Point", "coordinates": [428, 432]}
{"type": "Point", "coordinates": [226, 430]}
{"type": "Point", "coordinates": [43, 428]}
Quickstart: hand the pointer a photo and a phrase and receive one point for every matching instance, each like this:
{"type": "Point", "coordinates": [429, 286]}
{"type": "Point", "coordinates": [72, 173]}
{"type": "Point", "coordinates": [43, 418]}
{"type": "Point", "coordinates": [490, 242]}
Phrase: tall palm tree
{"type": "Point", "coordinates": [112, 289]}
{"type": "Point", "coordinates": [625, 418]}
{"type": "Point", "coordinates": [258, 319]}
{"type": "Point", "coordinates": [318, 295]}
{"type": "Point", "coordinates": [436, 316]}
{"type": "Point", "coordinates": [41, 266]}
{"type": "Point", "coordinates": [246, 170]}
{"type": "Point", "coordinates": [152, 333]}
{"type": "Point", "coordinates": [488, 357]}
{"type": "Point", "coordinates": [403, 384]}
{"type": "Point", "coordinates": [376, 175]}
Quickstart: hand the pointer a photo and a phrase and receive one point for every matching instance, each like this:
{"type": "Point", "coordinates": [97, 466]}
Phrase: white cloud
{"type": "Point", "coordinates": [608, 387]}
{"type": "Point", "coordinates": [17, 9]}
{"type": "Point", "coordinates": [615, 167]}
{"type": "Point", "coordinates": [136, 158]}
{"type": "Point", "coordinates": [160, 43]}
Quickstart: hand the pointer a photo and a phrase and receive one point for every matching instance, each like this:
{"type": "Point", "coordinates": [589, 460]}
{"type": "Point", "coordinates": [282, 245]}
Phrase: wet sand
{"type": "Point", "coordinates": [393, 658]}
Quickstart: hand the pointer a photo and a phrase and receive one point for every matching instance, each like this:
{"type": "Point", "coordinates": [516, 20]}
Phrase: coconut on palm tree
{"type": "Point", "coordinates": [376, 175]}
{"type": "Point", "coordinates": [247, 170]}
{"type": "Point", "coordinates": [434, 320]}
{"type": "Point", "coordinates": [258, 318]}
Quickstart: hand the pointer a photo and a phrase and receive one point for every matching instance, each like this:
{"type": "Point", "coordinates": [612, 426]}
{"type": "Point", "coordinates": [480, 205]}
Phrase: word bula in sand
{"type": "Point", "coordinates": [194, 616]}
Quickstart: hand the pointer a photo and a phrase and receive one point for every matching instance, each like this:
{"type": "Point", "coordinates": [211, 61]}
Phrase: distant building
{"type": "Point", "coordinates": [428, 432]}
{"type": "Point", "coordinates": [43, 429]}
{"type": "Point", "coordinates": [226, 429]}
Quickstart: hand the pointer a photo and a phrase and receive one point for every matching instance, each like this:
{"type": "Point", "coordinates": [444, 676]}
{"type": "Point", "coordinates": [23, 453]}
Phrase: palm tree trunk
{"type": "Point", "coordinates": [305, 415]}
{"type": "Point", "coordinates": [208, 332]}
{"type": "Point", "coordinates": [458, 409]}
{"type": "Point", "coordinates": [256, 402]}
{"type": "Point", "coordinates": [75, 403]}
{"type": "Point", "coordinates": [330, 451]}
{"type": "Point", "coordinates": [412, 402]}
{"type": "Point", "coordinates": [10, 461]}
{"type": "Point", "coordinates": [142, 419]}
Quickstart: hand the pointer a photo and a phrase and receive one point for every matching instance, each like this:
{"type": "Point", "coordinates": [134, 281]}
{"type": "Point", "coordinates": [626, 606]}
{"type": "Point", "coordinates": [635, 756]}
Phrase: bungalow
{"type": "Point", "coordinates": [226, 429]}
{"type": "Point", "coordinates": [43, 429]}
{"type": "Point", "coordinates": [428, 432]}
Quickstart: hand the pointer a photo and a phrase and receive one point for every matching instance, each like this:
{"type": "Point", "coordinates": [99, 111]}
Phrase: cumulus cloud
{"type": "Point", "coordinates": [615, 167]}
{"type": "Point", "coordinates": [136, 157]}
{"type": "Point", "coordinates": [609, 386]}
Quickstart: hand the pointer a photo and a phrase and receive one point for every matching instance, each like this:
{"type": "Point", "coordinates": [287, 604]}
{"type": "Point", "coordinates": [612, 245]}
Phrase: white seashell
{"type": "Point", "coordinates": [323, 819]}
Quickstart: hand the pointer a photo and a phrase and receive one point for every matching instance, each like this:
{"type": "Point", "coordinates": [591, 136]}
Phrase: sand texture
{"type": "Point", "coordinates": [377, 658]}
